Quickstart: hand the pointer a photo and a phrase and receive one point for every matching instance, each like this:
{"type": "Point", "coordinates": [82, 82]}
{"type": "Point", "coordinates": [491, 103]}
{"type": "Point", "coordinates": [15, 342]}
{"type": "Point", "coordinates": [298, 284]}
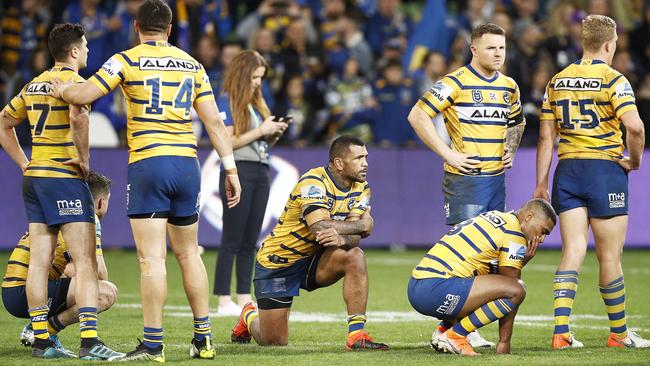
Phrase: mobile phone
{"type": "Point", "coordinates": [285, 119]}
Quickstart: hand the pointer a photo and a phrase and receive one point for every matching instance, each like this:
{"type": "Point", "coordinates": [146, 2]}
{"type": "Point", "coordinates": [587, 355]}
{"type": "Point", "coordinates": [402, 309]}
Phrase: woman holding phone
{"type": "Point", "coordinates": [252, 132]}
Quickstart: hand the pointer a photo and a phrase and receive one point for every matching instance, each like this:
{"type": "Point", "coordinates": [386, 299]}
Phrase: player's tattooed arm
{"type": "Point", "coordinates": [330, 238]}
{"type": "Point", "coordinates": [513, 138]}
{"type": "Point", "coordinates": [319, 219]}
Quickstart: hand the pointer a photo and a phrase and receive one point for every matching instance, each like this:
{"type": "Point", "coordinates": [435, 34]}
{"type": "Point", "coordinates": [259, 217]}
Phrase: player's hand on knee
{"type": "Point", "coordinates": [329, 238]}
{"type": "Point", "coordinates": [460, 161]}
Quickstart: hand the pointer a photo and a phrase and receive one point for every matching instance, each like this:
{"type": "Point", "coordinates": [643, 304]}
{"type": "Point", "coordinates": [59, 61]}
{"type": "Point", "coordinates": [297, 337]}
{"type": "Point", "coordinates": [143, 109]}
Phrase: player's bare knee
{"type": "Point", "coordinates": [518, 292]}
{"type": "Point", "coordinates": [152, 266]}
{"type": "Point", "coordinates": [355, 260]}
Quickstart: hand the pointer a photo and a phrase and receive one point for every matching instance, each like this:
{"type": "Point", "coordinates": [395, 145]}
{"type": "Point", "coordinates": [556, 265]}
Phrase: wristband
{"type": "Point", "coordinates": [228, 162]}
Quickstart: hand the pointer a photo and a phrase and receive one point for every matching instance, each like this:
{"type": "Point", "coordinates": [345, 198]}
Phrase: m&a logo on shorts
{"type": "Point", "coordinates": [70, 208]}
{"type": "Point", "coordinates": [616, 200]}
{"type": "Point", "coordinates": [449, 305]}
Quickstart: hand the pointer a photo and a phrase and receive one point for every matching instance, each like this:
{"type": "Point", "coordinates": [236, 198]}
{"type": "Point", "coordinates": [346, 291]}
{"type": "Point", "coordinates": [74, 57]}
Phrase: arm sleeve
{"type": "Point", "coordinates": [16, 107]}
{"type": "Point", "coordinates": [512, 251]}
{"type": "Point", "coordinates": [363, 203]}
{"type": "Point", "coordinates": [438, 98]}
{"type": "Point", "coordinates": [547, 112]}
{"type": "Point", "coordinates": [111, 74]}
{"type": "Point", "coordinates": [310, 192]}
{"type": "Point", "coordinates": [622, 97]}
{"type": "Point", "coordinates": [516, 115]}
{"type": "Point", "coordinates": [203, 87]}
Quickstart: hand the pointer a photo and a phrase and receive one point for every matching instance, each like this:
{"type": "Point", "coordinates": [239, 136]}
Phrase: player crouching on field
{"type": "Point", "coordinates": [470, 277]}
{"type": "Point", "coordinates": [314, 245]}
{"type": "Point", "coordinates": [61, 281]}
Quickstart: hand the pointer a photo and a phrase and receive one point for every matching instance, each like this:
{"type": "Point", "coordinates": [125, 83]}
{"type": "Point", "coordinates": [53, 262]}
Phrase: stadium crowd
{"type": "Point", "coordinates": [336, 66]}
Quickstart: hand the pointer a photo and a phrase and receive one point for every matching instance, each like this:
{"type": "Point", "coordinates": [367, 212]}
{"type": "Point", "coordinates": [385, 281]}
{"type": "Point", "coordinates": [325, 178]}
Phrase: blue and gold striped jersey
{"type": "Point", "coordinates": [49, 120]}
{"type": "Point", "coordinates": [587, 100]}
{"type": "Point", "coordinates": [161, 83]}
{"type": "Point", "coordinates": [477, 111]}
{"type": "Point", "coordinates": [291, 239]}
{"type": "Point", "coordinates": [471, 247]}
{"type": "Point", "coordinates": [16, 274]}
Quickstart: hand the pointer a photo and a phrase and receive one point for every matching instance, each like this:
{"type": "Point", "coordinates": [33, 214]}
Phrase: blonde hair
{"type": "Point", "coordinates": [596, 30]}
{"type": "Point", "coordinates": [237, 84]}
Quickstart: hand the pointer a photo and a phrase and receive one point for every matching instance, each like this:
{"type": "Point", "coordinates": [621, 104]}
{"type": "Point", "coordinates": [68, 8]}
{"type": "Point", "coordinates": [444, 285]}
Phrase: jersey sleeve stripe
{"type": "Point", "coordinates": [435, 258]}
{"type": "Point", "coordinates": [23, 247]}
{"type": "Point", "coordinates": [11, 106]}
{"type": "Point", "coordinates": [470, 242]}
{"type": "Point", "coordinates": [205, 93]}
{"type": "Point", "coordinates": [429, 104]}
{"type": "Point", "coordinates": [26, 265]}
{"type": "Point", "coordinates": [101, 81]}
{"type": "Point", "coordinates": [623, 105]}
{"type": "Point", "coordinates": [60, 108]}
{"type": "Point", "coordinates": [486, 235]}
{"type": "Point", "coordinates": [119, 73]}
{"type": "Point", "coordinates": [547, 110]}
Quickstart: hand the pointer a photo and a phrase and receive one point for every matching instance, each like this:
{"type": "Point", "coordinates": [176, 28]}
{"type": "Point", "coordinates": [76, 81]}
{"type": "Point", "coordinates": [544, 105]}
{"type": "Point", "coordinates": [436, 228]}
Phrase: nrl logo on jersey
{"type": "Point", "coordinates": [582, 84]}
{"type": "Point", "coordinates": [38, 89]}
{"type": "Point", "coordinates": [167, 64]}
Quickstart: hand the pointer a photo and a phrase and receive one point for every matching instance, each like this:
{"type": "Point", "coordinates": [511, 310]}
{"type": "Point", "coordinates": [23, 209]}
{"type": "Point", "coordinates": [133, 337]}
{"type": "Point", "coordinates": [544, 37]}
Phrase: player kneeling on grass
{"type": "Point", "coordinates": [61, 279]}
{"type": "Point", "coordinates": [458, 282]}
{"type": "Point", "coordinates": [314, 245]}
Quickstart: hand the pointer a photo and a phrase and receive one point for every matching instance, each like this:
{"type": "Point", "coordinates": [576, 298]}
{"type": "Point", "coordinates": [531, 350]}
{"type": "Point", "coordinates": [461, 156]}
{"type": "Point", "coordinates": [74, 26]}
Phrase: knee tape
{"type": "Point", "coordinates": [152, 266]}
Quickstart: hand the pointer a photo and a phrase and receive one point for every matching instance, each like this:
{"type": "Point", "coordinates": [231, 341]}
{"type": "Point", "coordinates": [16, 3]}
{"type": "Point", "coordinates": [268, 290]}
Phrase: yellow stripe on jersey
{"type": "Point", "coordinates": [161, 84]}
{"type": "Point", "coordinates": [16, 274]}
{"type": "Point", "coordinates": [291, 239]}
{"type": "Point", "coordinates": [49, 120]}
{"type": "Point", "coordinates": [470, 246]}
{"type": "Point", "coordinates": [587, 100]}
{"type": "Point", "coordinates": [477, 111]}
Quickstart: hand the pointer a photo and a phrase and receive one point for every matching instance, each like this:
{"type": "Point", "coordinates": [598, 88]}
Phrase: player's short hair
{"type": "Point", "coordinates": [596, 30]}
{"type": "Point", "coordinates": [488, 28]}
{"type": "Point", "coordinates": [342, 144]}
{"type": "Point", "coordinates": [62, 38]}
{"type": "Point", "coordinates": [154, 16]}
{"type": "Point", "coordinates": [99, 184]}
{"type": "Point", "coordinates": [542, 206]}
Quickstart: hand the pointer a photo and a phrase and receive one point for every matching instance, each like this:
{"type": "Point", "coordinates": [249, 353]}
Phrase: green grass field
{"type": "Point", "coordinates": [318, 327]}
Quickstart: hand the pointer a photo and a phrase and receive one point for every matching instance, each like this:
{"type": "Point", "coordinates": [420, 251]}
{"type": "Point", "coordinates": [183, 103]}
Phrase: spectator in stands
{"type": "Point", "coordinates": [475, 13]}
{"type": "Point", "coordinates": [23, 32]}
{"type": "Point", "coordinates": [263, 41]}
{"type": "Point", "coordinates": [275, 15]}
{"type": "Point", "coordinates": [123, 34]}
{"type": "Point", "coordinates": [434, 67]}
{"type": "Point", "coordinates": [527, 53]}
{"type": "Point", "coordinates": [95, 22]}
{"type": "Point", "coordinates": [252, 132]}
{"type": "Point", "coordinates": [561, 45]}
{"type": "Point", "coordinates": [207, 53]}
{"type": "Point", "coordinates": [354, 42]}
{"type": "Point", "coordinates": [387, 23]}
{"type": "Point", "coordinates": [532, 102]}
{"type": "Point", "coordinates": [350, 103]}
{"type": "Point", "coordinates": [215, 19]}
{"type": "Point", "coordinates": [293, 103]}
{"type": "Point", "coordinates": [639, 40]}
{"type": "Point", "coordinates": [395, 95]}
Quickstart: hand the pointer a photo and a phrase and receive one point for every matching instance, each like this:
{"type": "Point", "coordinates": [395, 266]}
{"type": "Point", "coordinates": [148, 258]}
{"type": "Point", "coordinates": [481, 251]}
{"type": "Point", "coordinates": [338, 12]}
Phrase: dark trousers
{"type": "Point", "coordinates": [241, 227]}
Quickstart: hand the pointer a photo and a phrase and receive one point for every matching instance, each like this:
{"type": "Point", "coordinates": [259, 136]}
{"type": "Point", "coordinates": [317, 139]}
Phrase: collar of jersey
{"type": "Point", "coordinates": [329, 174]}
{"type": "Point", "coordinates": [593, 62]}
{"type": "Point", "coordinates": [470, 68]}
{"type": "Point", "coordinates": [61, 68]}
{"type": "Point", "coordinates": [156, 43]}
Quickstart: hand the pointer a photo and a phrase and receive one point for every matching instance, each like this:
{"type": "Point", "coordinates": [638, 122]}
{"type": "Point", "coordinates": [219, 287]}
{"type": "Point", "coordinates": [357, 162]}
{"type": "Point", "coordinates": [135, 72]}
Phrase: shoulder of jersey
{"type": "Point", "coordinates": [319, 172]}
{"type": "Point", "coordinates": [508, 80]}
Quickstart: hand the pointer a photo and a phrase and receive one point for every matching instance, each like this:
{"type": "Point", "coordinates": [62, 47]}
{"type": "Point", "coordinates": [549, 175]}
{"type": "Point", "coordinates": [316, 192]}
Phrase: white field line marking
{"type": "Point", "coordinates": [377, 316]}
